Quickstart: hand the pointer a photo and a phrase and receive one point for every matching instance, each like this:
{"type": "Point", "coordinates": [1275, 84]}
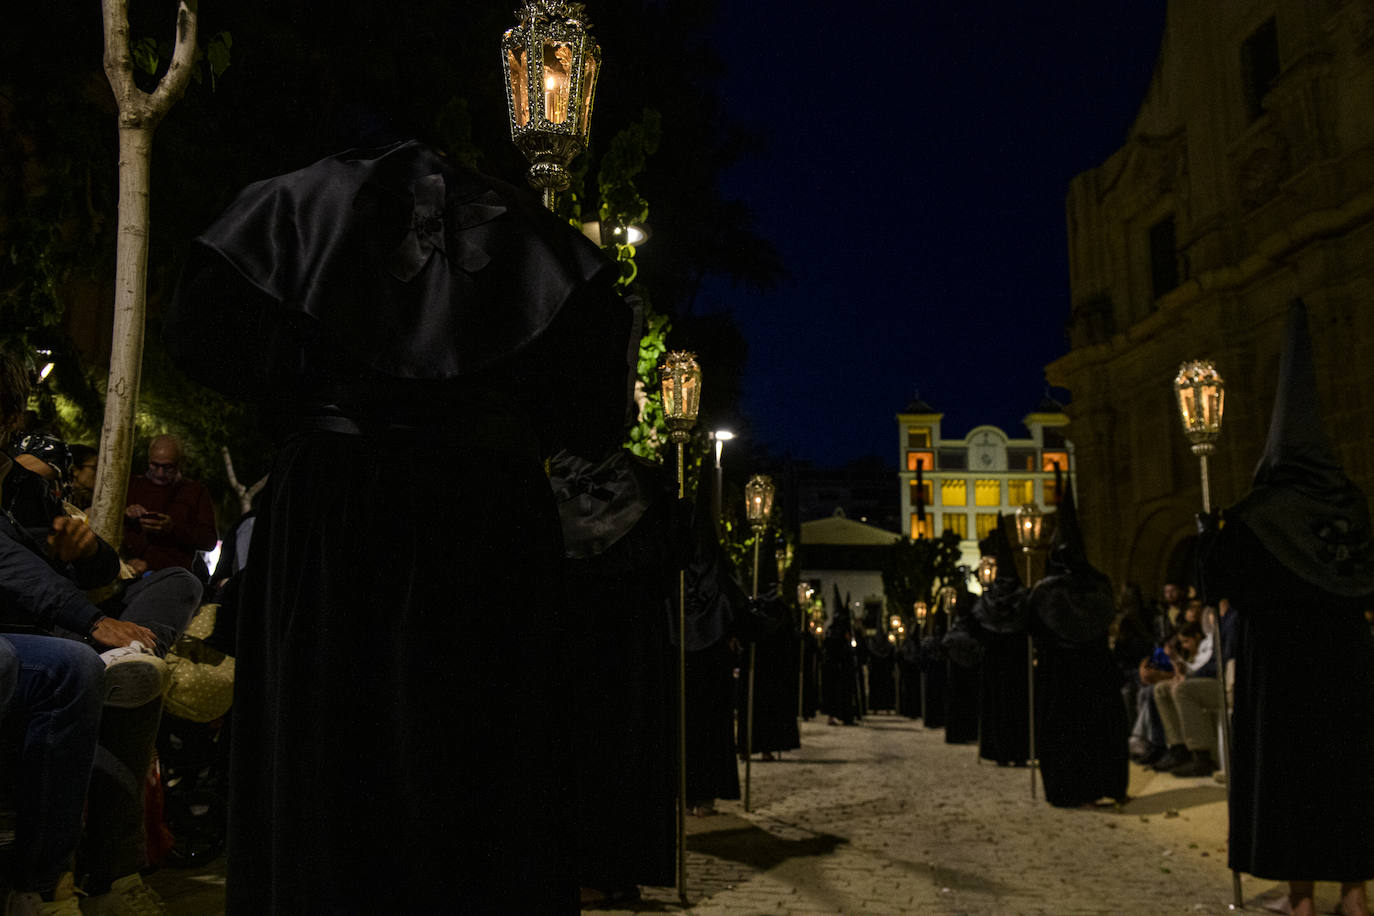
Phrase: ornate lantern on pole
{"type": "Point", "coordinates": [680, 381]}
{"type": "Point", "coordinates": [1030, 527]}
{"type": "Point", "coordinates": [550, 61]}
{"type": "Point", "coordinates": [1201, 401]}
{"type": "Point", "coordinates": [987, 571]}
{"type": "Point", "coordinates": [758, 505]}
{"type": "Point", "coordinates": [1201, 395]}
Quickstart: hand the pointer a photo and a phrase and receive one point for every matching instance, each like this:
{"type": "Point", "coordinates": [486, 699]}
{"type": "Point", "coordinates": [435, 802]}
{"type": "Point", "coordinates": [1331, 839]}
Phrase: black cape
{"type": "Point", "coordinates": [420, 338]}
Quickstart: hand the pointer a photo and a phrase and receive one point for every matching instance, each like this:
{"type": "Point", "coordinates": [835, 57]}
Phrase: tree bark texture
{"type": "Point", "coordinates": [139, 114]}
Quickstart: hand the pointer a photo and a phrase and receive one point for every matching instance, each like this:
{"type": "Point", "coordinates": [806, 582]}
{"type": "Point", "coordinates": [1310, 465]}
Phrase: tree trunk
{"type": "Point", "coordinates": [126, 354]}
{"type": "Point", "coordinates": [139, 114]}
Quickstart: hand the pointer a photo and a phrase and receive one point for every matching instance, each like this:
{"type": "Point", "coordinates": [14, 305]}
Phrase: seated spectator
{"type": "Point", "coordinates": [81, 490]}
{"type": "Point", "coordinates": [1168, 610]}
{"type": "Point", "coordinates": [1188, 705]}
{"type": "Point", "coordinates": [47, 560]}
{"type": "Point", "coordinates": [168, 517]}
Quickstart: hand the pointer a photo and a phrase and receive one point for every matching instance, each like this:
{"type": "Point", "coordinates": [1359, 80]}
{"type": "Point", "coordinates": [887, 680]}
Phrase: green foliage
{"type": "Point", "coordinates": [917, 569]}
{"type": "Point", "coordinates": [648, 435]}
{"type": "Point", "coordinates": [144, 53]}
{"type": "Point", "coordinates": [623, 161]}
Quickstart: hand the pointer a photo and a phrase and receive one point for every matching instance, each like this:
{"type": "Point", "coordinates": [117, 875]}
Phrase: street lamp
{"type": "Point", "coordinates": [1030, 526]}
{"type": "Point", "coordinates": [1201, 401]}
{"type": "Point", "coordinates": [680, 381]}
{"type": "Point", "coordinates": [550, 62]}
{"type": "Point", "coordinates": [758, 505]}
{"type": "Point", "coordinates": [719, 437]}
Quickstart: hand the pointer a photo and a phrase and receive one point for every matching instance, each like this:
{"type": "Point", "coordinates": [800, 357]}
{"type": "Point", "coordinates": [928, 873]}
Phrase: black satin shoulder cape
{"type": "Point", "coordinates": [420, 267]}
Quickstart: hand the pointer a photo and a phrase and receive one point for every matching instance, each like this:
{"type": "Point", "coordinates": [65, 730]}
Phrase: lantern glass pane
{"type": "Point", "coordinates": [588, 89]}
{"type": "Point", "coordinates": [519, 84]}
{"type": "Point", "coordinates": [558, 57]}
{"type": "Point", "coordinates": [1187, 405]}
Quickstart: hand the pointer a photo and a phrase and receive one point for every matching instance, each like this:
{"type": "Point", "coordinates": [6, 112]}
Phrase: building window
{"type": "Point", "coordinates": [1020, 492]}
{"type": "Point", "coordinates": [987, 492]}
{"type": "Point", "coordinates": [1020, 459]}
{"type": "Point", "coordinates": [957, 522]}
{"type": "Point", "coordinates": [922, 493]}
{"type": "Point", "coordinates": [954, 459]}
{"type": "Point", "coordinates": [1051, 460]}
{"type": "Point", "coordinates": [1259, 67]}
{"type": "Point", "coordinates": [986, 523]}
{"type": "Point", "coordinates": [1051, 491]}
{"type": "Point", "coordinates": [953, 493]}
{"type": "Point", "coordinates": [1163, 257]}
{"type": "Point", "coordinates": [923, 460]}
{"type": "Point", "coordinates": [922, 529]}
{"type": "Point", "coordinates": [918, 437]}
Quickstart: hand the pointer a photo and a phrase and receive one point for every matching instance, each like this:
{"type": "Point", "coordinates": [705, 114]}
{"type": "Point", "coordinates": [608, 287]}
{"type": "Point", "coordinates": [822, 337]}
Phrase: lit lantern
{"type": "Point", "coordinates": [551, 62]}
{"type": "Point", "coordinates": [680, 379]}
{"type": "Point", "coordinates": [1201, 401]}
{"type": "Point", "coordinates": [1030, 523]}
{"type": "Point", "coordinates": [758, 500]}
{"type": "Point", "coordinates": [920, 612]}
{"type": "Point", "coordinates": [987, 571]}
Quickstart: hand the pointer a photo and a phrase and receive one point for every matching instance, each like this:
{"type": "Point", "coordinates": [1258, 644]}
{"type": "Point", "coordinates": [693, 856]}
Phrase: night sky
{"type": "Point", "coordinates": [914, 184]}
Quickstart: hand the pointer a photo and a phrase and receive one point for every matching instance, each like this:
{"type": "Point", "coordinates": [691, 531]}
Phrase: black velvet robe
{"type": "Point", "coordinates": [1080, 724]}
{"type": "Point", "coordinates": [882, 665]}
{"type": "Point", "coordinates": [839, 684]}
{"type": "Point", "coordinates": [1004, 732]}
{"type": "Point", "coordinates": [909, 677]}
{"type": "Point", "coordinates": [775, 682]}
{"type": "Point", "coordinates": [1302, 770]}
{"type": "Point", "coordinates": [420, 337]}
{"type": "Point", "coordinates": [623, 692]}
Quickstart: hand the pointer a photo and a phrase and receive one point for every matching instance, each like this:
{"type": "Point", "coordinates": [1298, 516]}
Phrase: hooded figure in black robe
{"type": "Point", "coordinates": [882, 663]}
{"type": "Point", "coordinates": [773, 633]}
{"type": "Point", "coordinates": [1004, 716]}
{"type": "Point", "coordinates": [909, 674]}
{"type": "Point", "coordinates": [419, 338]}
{"type": "Point", "coordinates": [839, 685]}
{"type": "Point", "coordinates": [622, 539]}
{"type": "Point", "coordinates": [1080, 728]}
{"type": "Point", "coordinates": [811, 669]}
{"type": "Point", "coordinates": [963, 671]}
{"type": "Point", "coordinates": [934, 667]}
{"type": "Point", "coordinates": [715, 604]}
{"type": "Point", "coordinates": [1294, 558]}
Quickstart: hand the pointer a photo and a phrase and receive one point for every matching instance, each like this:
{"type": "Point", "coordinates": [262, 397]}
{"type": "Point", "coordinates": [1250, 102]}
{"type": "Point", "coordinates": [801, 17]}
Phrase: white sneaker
{"type": "Point", "coordinates": [29, 903]}
{"type": "Point", "coordinates": [133, 676]}
{"type": "Point", "coordinates": [128, 896]}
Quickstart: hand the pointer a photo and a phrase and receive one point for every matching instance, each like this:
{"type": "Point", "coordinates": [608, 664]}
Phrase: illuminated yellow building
{"type": "Point", "coordinates": [964, 483]}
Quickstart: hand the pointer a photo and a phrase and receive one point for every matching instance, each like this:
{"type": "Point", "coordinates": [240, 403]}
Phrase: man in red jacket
{"type": "Point", "coordinates": [168, 517]}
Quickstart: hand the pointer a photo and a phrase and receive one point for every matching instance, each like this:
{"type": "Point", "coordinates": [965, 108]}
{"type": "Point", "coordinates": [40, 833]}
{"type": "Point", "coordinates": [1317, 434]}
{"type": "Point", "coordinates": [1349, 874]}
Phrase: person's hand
{"type": "Point", "coordinates": [113, 633]}
{"type": "Point", "coordinates": [137, 566]}
{"type": "Point", "coordinates": [155, 521]}
{"type": "Point", "coordinates": [134, 510]}
{"type": "Point", "coordinates": [71, 539]}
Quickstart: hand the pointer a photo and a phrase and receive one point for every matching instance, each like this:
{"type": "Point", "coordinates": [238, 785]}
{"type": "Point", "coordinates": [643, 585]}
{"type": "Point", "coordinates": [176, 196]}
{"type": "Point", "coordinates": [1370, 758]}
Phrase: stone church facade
{"type": "Point", "coordinates": [1247, 180]}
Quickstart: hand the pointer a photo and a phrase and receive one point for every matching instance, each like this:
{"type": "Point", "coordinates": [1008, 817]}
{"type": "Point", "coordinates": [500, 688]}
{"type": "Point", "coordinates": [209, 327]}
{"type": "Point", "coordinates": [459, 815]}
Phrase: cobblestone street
{"type": "Point", "coordinates": [884, 817]}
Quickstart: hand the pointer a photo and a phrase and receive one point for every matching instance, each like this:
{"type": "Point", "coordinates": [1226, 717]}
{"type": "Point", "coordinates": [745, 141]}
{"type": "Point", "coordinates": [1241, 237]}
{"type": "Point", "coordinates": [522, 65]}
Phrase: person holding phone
{"type": "Point", "coordinates": [168, 517]}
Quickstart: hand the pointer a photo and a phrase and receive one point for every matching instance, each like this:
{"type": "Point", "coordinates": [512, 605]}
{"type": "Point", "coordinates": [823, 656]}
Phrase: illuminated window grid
{"type": "Point", "coordinates": [918, 437]}
{"type": "Point", "coordinates": [957, 522]}
{"type": "Point", "coordinates": [922, 529]}
{"type": "Point", "coordinates": [1050, 459]}
{"type": "Point", "coordinates": [1020, 492]}
{"type": "Point", "coordinates": [925, 460]}
{"type": "Point", "coordinates": [929, 488]}
{"type": "Point", "coordinates": [985, 523]}
{"type": "Point", "coordinates": [987, 492]}
{"type": "Point", "coordinates": [954, 493]}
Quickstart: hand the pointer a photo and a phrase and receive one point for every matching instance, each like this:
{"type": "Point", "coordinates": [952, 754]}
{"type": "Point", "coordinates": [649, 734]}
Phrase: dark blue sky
{"type": "Point", "coordinates": [919, 156]}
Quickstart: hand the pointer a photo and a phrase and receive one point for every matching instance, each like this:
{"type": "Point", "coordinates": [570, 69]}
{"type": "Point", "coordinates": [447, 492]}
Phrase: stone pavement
{"type": "Point", "coordinates": [886, 818]}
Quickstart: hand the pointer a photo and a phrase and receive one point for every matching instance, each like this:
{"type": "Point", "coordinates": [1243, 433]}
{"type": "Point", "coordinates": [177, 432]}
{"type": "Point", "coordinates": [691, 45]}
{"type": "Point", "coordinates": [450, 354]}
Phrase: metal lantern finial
{"type": "Point", "coordinates": [1201, 400]}
{"type": "Point", "coordinates": [1030, 522]}
{"type": "Point", "coordinates": [987, 571]}
{"type": "Point", "coordinates": [550, 61]}
{"type": "Point", "coordinates": [680, 380]}
{"type": "Point", "coordinates": [758, 500]}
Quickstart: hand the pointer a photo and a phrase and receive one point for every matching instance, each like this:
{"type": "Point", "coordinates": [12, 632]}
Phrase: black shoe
{"type": "Point", "coordinates": [1174, 757]}
{"type": "Point", "coordinates": [1150, 757]}
{"type": "Point", "coordinates": [1200, 765]}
